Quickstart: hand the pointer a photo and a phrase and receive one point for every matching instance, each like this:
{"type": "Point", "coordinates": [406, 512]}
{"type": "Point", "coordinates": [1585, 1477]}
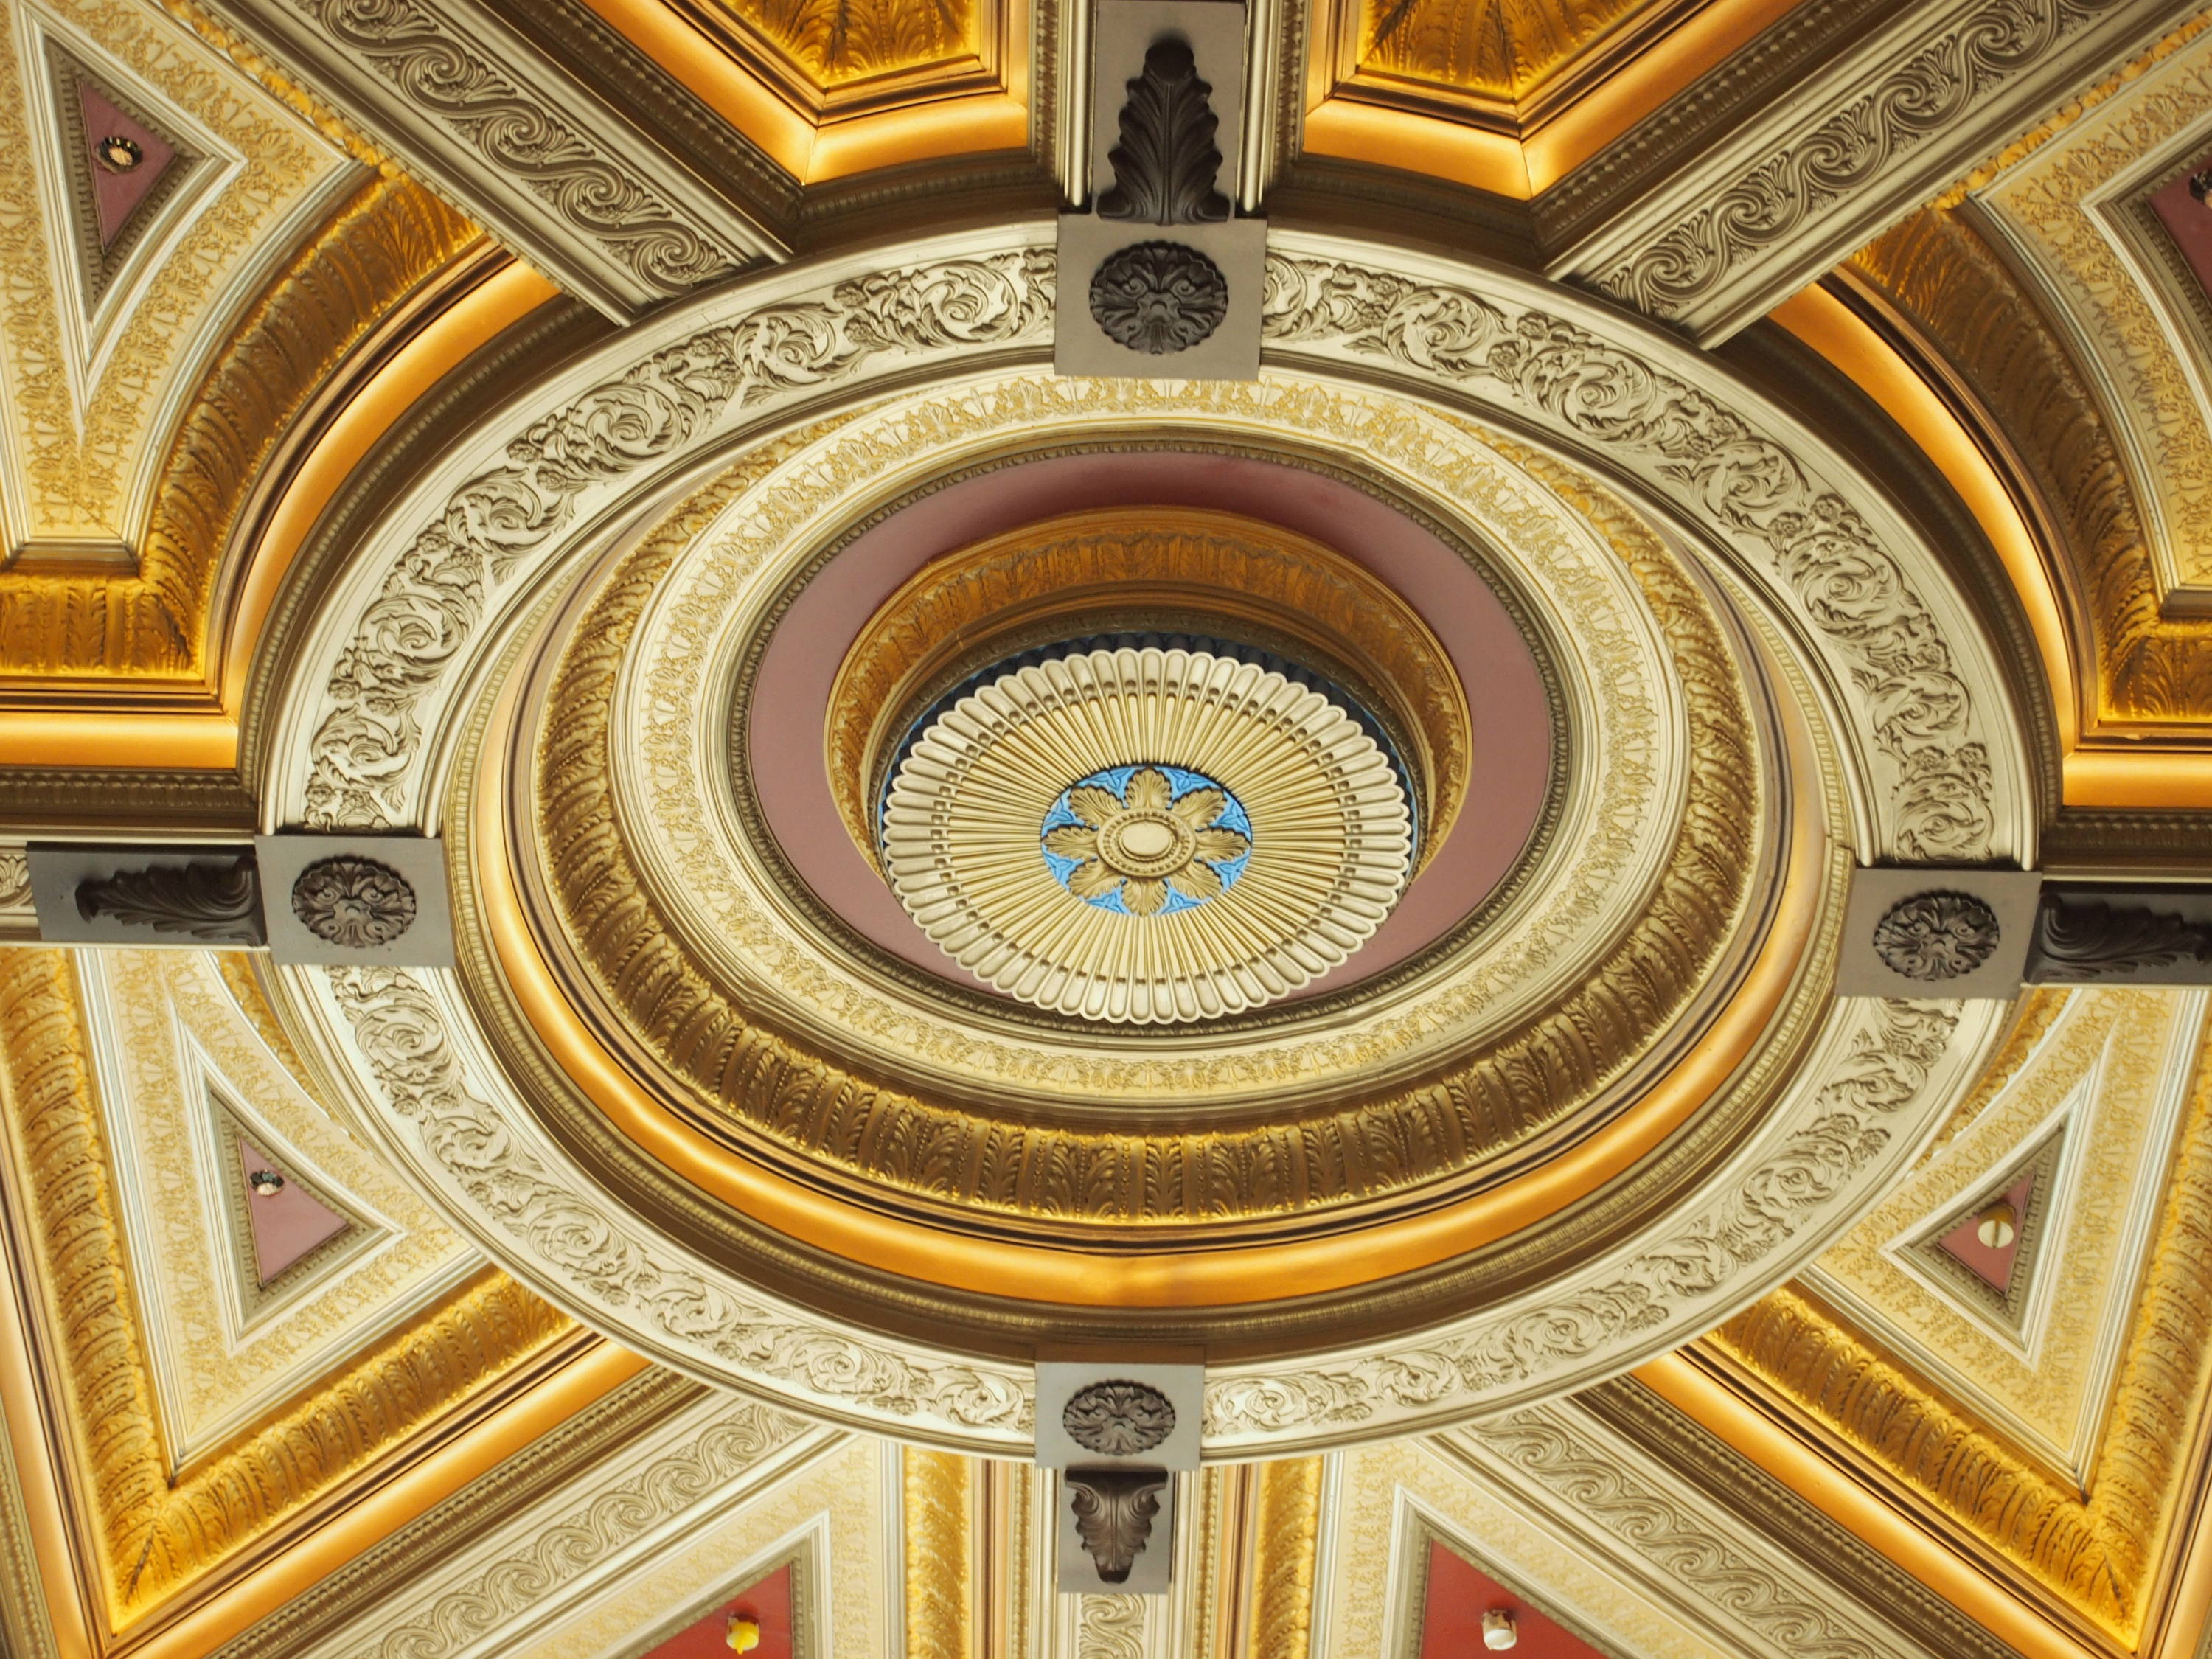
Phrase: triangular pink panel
{"type": "Point", "coordinates": [1460, 1593]}
{"type": "Point", "coordinates": [116, 194]}
{"type": "Point", "coordinates": [766, 1602]}
{"type": "Point", "coordinates": [2188, 221]}
{"type": "Point", "coordinates": [1994, 1267]}
{"type": "Point", "coordinates": [289, 1223]}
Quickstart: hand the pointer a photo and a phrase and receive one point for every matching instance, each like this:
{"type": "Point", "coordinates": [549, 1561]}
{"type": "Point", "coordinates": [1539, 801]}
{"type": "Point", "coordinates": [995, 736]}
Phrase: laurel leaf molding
{"type": "Point", "coordinates": [154, 1536]}
{"type": "Point", "coordinates": [2102, 1553]}
{"type": "Point", "coordinates": [792, 1088]}
{"type": "Point", "coordinates": [158, 623]}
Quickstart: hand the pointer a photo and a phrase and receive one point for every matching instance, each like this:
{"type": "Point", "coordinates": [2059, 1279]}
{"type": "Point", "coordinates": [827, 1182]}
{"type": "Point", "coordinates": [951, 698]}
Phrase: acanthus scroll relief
{"type": "Point", "coordinates": [401, 1033]}
{"type": "Point", "coordinates": [433, 598]}
{"type": "Point", "coordinates": [522, 137]}
{"type": "Point", "coordinates": [1849, 586]}
{"type": "Point", "coordinates": [1924, 96]}
{"type": "Point", "coordinates": [1891, 1056]}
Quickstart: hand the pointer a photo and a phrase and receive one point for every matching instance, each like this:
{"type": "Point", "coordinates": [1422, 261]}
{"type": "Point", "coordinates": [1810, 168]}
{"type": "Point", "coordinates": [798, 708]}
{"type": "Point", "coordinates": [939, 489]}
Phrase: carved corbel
{"type": "Point", "coordinates": [1114, 1511]}
{"type": "Point", "coordinates": [1162, 279]}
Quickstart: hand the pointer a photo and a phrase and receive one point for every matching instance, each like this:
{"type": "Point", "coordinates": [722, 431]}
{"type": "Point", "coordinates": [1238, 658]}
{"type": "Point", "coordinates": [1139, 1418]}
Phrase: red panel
{"type": "Point", "coordinates": [768, 1602]}
{"type": "Point", "coordinates": [116, 196]}
{"type": "Point", "coordinates": [286, 1224]}
{"type": "Point", "coordinates": [1993, 1265]}
{"type": "Point", "coordinates": [1460, 1594]}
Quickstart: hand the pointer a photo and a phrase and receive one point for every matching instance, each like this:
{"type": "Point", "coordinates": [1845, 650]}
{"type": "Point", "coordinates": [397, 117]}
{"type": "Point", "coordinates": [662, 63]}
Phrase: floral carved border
{"type": "Point", "coordinates": [1827, 554]}
{"type": "Point", "coordinates": [432, 599]}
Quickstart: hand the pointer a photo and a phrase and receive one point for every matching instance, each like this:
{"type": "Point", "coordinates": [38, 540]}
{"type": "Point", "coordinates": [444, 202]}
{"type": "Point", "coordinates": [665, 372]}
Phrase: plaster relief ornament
{"type": "Point", "coordinates": [1158, 297]}
{"type": "Point", "coordinates": [1118, 1418]}
{"type": "Point", "coordinates": [1933, 937]}
{"type": "Point", "coordinates": [353, 902]}
{"type": "Point", "coordinates": [1229, 834]}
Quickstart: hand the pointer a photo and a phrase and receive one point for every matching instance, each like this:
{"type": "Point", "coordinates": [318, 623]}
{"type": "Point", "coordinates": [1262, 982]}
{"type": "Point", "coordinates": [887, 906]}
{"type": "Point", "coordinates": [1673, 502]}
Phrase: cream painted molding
{"type": "Point", "coordinates": [1824, 169]}
{"type": "Point", "coordinates": [1624, 722]}
{"type": "Point", "coordinates": [1879, 1082]}
{"type": "Point", "coordinates": [719, 1474]}
{"type": "Point", "coordinates": [2122, 1102]}
{"type": "Point", "coordinates": [492, 121]}
{"type": "Point", "coordinates": [162, 1030]}
{"type": "Point", "coordinates": [1938, 772]}
{"type": "Point", "coordinates": [2074, 213]}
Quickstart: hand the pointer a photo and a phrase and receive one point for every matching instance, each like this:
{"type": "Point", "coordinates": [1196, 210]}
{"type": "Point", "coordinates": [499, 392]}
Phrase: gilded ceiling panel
{"type": "Point", "coordinates": [1501, 50]}
{"type": "Point", "coordinates": [2109, 1077]}
{"type": "Point", "coordinates": [169, 1041]}
{"type": "Point", "coordinates": [2070, 208]}
{"type": "Point", "coordinates": [156, 1529]}
{"type": "Point", "coordinates": [2099, 1543]}
{"type": "Point", "coordinates": [832, 58]}
{"type": "Point", "coordinates": [91, 398]}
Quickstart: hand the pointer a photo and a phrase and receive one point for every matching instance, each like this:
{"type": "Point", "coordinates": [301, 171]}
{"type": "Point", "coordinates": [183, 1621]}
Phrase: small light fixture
{"type": "Point", "coordinates": [117, 154]}
{"type": "Point", "coordinates": [266, 1183]}
{"type": "Point", "coordinates": [1997, 1226]}
{"type": "Point", "coordinates": [743, 1633]}
{"type": "Point", "coordinates": [1498, 1631]}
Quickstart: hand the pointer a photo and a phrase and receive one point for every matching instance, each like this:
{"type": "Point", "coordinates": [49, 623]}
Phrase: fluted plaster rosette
{"type": "Point", "coordinates": [971, 808]}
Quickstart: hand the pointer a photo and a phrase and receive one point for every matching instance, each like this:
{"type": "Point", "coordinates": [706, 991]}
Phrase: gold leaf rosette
{"type": "Point", "coordinates": [1147, 836]}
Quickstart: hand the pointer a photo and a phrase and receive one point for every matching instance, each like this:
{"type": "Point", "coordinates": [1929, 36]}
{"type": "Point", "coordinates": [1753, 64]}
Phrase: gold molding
{"type": "Point", "coordinates": [973, 101]}
{"type": "Point", "coordinates": [153, 1537]}
{"type": "Point", "coordinates": [2102, 1554]}
{"type": "Point", "coordinates": [932, 1154]}
{"type": "Point", "coordinates": [2151, 673]}
{"type": "Point", "coordinates": [939, 1529]}
{"type": "Point", "coordinates": [1285, 1542]}
{"type": "Point", "coordinates": [1585, 74]}
{"type": "Point", "coordinates": [1103, 571]}
{"type": "Point", "coordinates": [159, 622]}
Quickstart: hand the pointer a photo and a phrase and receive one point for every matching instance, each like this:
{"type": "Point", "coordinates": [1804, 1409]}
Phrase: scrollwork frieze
{"type": "Point", "coordinates": [425, 614]}
{"type": "Point", "coordinates": [1886, 1067]}
{"type": "Point", "coordinates": [1818, 545]}
{"type": "Point", "coordinates": [401, 1033]}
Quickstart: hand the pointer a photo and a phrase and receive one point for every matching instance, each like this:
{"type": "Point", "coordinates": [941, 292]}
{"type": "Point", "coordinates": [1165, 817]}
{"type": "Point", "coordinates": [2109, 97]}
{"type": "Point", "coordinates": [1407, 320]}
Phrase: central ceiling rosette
{"type": "Point", "coordinates": [1060, 832]}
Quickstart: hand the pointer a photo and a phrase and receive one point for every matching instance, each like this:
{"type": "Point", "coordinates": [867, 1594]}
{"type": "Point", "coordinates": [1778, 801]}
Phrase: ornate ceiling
{"type": "Point", "coordinates": [744, 908]}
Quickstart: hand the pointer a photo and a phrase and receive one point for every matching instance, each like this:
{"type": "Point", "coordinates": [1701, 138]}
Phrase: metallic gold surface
{"type": "Point", "coordinates": [759, 1190]}
{"type": "Point", "coordinates": [1508, 96]}
{"type": "Point", "coordinates": [941, 1602]}
{"type": "Point", "coordinates": [1104, 570]}
{"type": "Point", "coordinates": [1285, 1535]}
{"type": "Point", "coordinates": [155, 622]}
{"type": "Point", "coordinates": [1455, 1120]}
{"type": "Point", "coordinates": [1701, 1390]}
{"type": "Point", "coordinates": [2102, 1553]}
{"type": "Point", "coordinates": [824, 112]}
{"type": "Point", "coordinates": [155, 1535]}
{"type": "Point", "coordinates": [1937, 269]}
{"type": "Point", "coordinates": [81, 735]}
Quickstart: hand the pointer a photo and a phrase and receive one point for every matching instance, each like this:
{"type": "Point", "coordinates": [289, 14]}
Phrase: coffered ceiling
{"type": "Point", "coordinates": [1561, 944]}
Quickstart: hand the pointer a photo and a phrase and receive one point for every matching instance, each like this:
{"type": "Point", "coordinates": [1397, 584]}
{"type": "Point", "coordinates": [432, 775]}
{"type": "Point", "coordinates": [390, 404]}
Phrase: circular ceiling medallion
{"type": "Point", "coordinates": [1146, 835]}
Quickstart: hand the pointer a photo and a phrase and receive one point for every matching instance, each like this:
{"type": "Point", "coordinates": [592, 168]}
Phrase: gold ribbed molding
{"type": "Point", "coordinates": [641, 968]}
{"type": "Point", "coordinates": [155, 1536]}
{"type": "Point", "coordinates": [1123, 568]}
{"type": "Point", "coordinates": [158, 622]}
